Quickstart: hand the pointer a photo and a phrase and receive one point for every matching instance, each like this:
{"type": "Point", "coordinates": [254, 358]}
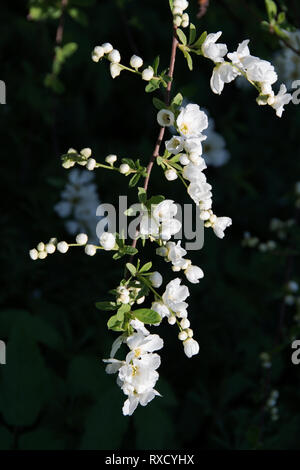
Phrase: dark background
{"type": "Point", "coordinates": [54, 393]}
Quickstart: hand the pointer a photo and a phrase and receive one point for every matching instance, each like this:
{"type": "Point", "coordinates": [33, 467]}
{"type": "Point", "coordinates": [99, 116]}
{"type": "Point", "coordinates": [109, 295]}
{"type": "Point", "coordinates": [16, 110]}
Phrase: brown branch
{"type": "Point", "coordinates": [203, 6]}
{"type": "Point", "coordinates": [60, 29]}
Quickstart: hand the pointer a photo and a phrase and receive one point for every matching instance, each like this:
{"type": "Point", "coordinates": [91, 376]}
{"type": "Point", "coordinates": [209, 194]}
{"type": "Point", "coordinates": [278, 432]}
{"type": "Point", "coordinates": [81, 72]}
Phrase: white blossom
{"type": "Point", "coordinates": [194, 273]}
{"type": "Point", "coordinates": [33, 254]}
{"type": "Point", "coordinates": [107, 47]}
{"type": "Point", "coordinates": [220, 225]}
{"type": "Point", "coordinates": [214, 51]}
{"type": "Point", "coordinates": [156, 279]}
{"type": "Point", "coordinates": [278, 101]}
{"type": "Point", "coordinates": [114, 56]}
{"type": "Point", "coordinates": [124, 168]}
{"type": "Point", "coordinates": [191, 121]}
{"type": "Point", "coordinates": [175, 144]}
{"type": "Point", "coordinates": [111, 159]}
{"type": "Point", "coordinates": [171, 174]}
{"type": "Point", "coordinates": [115, 69]}
{"type": "Point", "coordinates": [161, 309]}
{"type": "Point", "coordinates": [165, 118]}
{"type": "Point", "coordinates": [222, 73]}
{"type": "Point", "coordinates": [174, 297]}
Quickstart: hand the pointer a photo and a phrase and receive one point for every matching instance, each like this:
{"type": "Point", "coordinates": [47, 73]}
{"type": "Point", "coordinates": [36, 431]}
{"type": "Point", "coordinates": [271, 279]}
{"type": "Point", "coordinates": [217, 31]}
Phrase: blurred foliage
{"type": "Point", "coordinates": [54, 393]}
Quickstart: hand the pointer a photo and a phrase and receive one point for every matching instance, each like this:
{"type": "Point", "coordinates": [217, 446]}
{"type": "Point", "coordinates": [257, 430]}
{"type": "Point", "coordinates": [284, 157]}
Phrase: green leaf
{"type": "Point", "coordinates": [188, 59]}
{"type": "Point", "coordinates": [146, 267]}
{"type": "Point", "coordinates": [134, 180]}
{"type": "Point", "coordinates": [131, 268]}
{"type": "Point", "coordinates": [152, 85]}
{"type": "Point", "coordinates": [142, 195]}
{"type": "Point", "coordinates": [114, 323]}
{"type": "Point", "coordinates": [177, 100]}
{"type": "Point", "coordinates": [154, 200]}
{"type": "Point", "coordinates": [200, 40]}
{"type": "Point", "coordinates": [193, 33]}
{"type": "Point", "coordinates": [156, 64]}
{"type": "Point", "coordinates": [271, 9]}
{"type": "Point", "coordinates": [106, 306]}
{"type": "Point", "coordinates": [281, 17]}
{"type": "Point", "coordinates": [146, 315]}
{"type": "Point", "coordinates": [129, 250]}
{"type": "Point", "coordinates": [158, 104]}
{"type": "Point", "coordinates": [181, 36]}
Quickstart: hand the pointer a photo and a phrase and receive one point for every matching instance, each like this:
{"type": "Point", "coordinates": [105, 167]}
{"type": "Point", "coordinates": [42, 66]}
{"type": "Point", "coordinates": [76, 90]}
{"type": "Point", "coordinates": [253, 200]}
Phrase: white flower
{"type": "Point", "coordinates": [86, 152]}
{"type": "Point", "coordinates": [156, 279]}
{"type": "Point", "coordinates": [259, 70]}
{"type": "Point", "coordinates": [184, 323]}
{"type": "Point", "coordinates": [165, 118]}
{"type": "Point", "coordinates": [222, 73]}
{"type": "Point", "coordinates": [91, 163]}
{"type": "Point", "coordinates": [194, 173]}
{"type": "Point", "coordinates": [175, 254]}
{"type": "Point", "coordinates": [114, 56]}
{"type": "Point", "coordinates": [107, 47]}
{"type": "Point", "coordinates": [191, 347]}
{"type": "Point", "coordinates": [220, 225]}
{"type": "Point", "coordinates": [90, 250]}
{"type": "Point", "coordinates": [193, 274]}
{"type": "Point", "coordinates": [42, 254]}
{"type": "Point", "coordinates": [193, 147]}
{"type": "Point", "coordinates": [278, 101]}
{"type": "Point", "coordinates": [175, 145]}
{"type": "Point", "coordinates": [161, 309]}
{"type": "Point", "coordinates": [140, 344]}
{"type": "Point", "coordinates": [171, 174]}
{"type": "Point", "coordinates": [168, 228]}
{"type": "Point", "coordinates": [182, 335]}
{"type": "Point", "coordinates": [139, 327]}
{"type": "Point", "coordinates": [81, 238]}
{"type": "Point", "coordinates": [133, 401]}
{"type": "Point", "coordinates": [149, 226]}
{"type": "Point", "coordinates": [200, 191]}
{"type": "Point", "coordinates": [148, 74]}
{"type": "Point", "coordinates": [97, 53]}
{"type": "Point", "coordinates": [115, 70]}
{"type": "Point", "coordinates": [124, 168]}
{"type": "Point", "coordinates": [166, 209]}
{"type": "Point", "coordinates": [62, 247]}
{"type": "Point", "coordinates": [191, 121]}
{"type": "Point", "coordinates": [174, 297]}
{"type": "Point", "coordinates": [108, 241]}
{"type": "Point", "coordinates": [240, 54]}
{"type": "Point", "coordinates": [136, 62]}
{"type": "Point", "coordinates": [214, 51]}
{"type": "Point", "coordinates": [33, 254]}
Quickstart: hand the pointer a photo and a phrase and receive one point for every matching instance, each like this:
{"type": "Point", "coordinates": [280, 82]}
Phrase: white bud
{"type": "Point", "coordinates": [86, 152]}
{"type": "Point", "coordinates": [114, 56]}
{"type": "Point", "coordinates": [190, 332]}
{"type": "Point", "coordinates": [99, 51]}
{"type": "Point", "coordinates": [171, 175]}
{"type": "Point", "coordinates": [172, 320]}
{"type": "Point", "coordinates": [111, 159]}
{"type": "Point", "coordinates": [91, 163]}
{"type": "Point", "coordinates": [177, 11]}
{"type": "Point", "coordinates": [191, 347]}
{"type": "Point", "coordinates": [124, 168]}
{"type": "Point", "coordinates": [33, 254]}
{"type": "Point", "coordinates": [81, 238]}
{"type": "Point", "coordinates": [42, 254]}
{"type": "Point", "coordinates": [41, 246]}
{"type": "Point", "coordinates": [108, 241]}
{"type": "Point", "coordinates": [50, 248]}
{"type": "Point", "coordinates": [177, 20]}
{"type": "Point", "coordinates": [107, 47]}
{"type": "Point", "coordinates": [184, 323]}
{"type": "Point", "coordinates": [156, 279]}
{"type": "Point", "coordinates": [184, 159]}
{"type": "Point", "coordinates": [90, 250]}
{"type": "Point", "coordinates": [147, 74]}
{"type": "Point", "coordinates": [140, 300]}
{"type": "Point", "coordinates": [136, 62]}
{"type": "Point", "coordinates": [183, 335]}
{"type": "Point", "coordinates": [124, 298]}
{"type": "Point", "coordinates": [162, 251]}
{"type": "Point", "coordinates": [62, 247]}
{"type": "Point", "coordinates": [115, 70]}
{"type": "Point", "coordinates": [185, 20]}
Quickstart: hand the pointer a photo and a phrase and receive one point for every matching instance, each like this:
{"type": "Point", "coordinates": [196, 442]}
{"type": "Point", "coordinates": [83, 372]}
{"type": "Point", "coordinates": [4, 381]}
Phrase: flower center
{"type": "Point", "coordinates": [184, 129]}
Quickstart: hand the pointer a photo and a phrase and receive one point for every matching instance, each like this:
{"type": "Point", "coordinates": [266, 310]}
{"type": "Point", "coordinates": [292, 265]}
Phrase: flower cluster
{"type": "Point", "coordinates": [160, 221]}
{"type": "Point", "coordinates": [137, 375]}
{"type": "Point", "coordinates": [113, 55]}
{"type": "Point", "coordinates": [190, 123]}
{"type": "Point", "coordinates": [83, 158]}
{"type": "Point", "coordinates": [258, 72]}
{"type": "Point", "coordinates": [79, 202]}
{"type": "Point", "coordinates": [271, 405]}
{"type": "Point", "coordinates": [180, 18]}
